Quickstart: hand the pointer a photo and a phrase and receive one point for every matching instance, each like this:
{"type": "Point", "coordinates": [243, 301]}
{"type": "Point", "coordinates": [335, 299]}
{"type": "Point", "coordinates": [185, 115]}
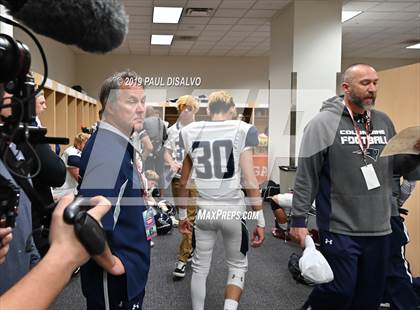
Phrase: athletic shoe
{"type": "Point", "coordinates": [175, 222]}
{"type": "Point", "coordinates": [190, 256]}
{"type": "Point", "coordinates": [152, 244]}
{"type": "Point", "coordinates": [179, 271]}
{"type": "Point", "coordinates": [385, 305]}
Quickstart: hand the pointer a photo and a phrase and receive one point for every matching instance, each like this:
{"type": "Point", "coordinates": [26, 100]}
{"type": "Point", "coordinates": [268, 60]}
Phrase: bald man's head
{"type": "Point", "coordinates": [359, 85]}
{"type": "Point", "coordinates": [353, 69]}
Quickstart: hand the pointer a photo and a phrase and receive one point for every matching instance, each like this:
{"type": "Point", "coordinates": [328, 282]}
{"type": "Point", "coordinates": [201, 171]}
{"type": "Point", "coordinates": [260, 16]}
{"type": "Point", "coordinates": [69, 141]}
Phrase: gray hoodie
{"type": "Point", "coordinates": [329, 170]}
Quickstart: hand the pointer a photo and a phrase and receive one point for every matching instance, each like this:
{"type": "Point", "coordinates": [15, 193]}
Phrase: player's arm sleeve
{"type": "Point", "coordinates": [251, 139]}
{"type": "Point", "coordinates": [311, 160]}
{"type": "Point", "coordinates": [73, 161]}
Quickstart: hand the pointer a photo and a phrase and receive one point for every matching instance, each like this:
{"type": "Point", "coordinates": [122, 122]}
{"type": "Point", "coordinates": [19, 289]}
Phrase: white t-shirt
{"type": "Point", "coordinates": [172, 143]}
{"type": "Point", "coordinates": [71, 157]}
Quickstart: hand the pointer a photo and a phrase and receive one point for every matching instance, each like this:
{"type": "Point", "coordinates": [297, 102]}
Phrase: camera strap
{"type": "Point", "coordinates": [33, 196]}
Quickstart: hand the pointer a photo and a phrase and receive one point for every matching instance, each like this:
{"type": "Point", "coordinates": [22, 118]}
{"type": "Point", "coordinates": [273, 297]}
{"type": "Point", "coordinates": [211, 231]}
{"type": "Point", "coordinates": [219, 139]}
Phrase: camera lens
{"type": "Point", "coordinates": [15, 58]}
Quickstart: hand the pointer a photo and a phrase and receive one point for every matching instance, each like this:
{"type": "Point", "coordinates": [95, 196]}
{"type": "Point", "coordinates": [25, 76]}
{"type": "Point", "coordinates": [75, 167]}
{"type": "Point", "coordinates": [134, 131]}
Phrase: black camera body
{"type": "Point", "coordinates": [9, 202]}
{"type": "Point", "coordinates": [16, 79]}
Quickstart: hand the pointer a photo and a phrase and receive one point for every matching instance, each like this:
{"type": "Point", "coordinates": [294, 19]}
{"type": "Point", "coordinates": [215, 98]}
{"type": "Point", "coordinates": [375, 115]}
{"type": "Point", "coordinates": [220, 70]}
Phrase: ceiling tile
{"type": "Point", "coordinates": [159, 50]}
{"type": "Point", "coordinates": [140, 19]}
{"type": "Point", "coordinates": [139, 26]}
{"type": "Point", "coordinates": [221, 28]}
{"type": "Point", "coordinates": [390, 7]}
{"type": "Point", "coordinates": [191, 27]}
{"type": "Point", "coordinates": [244, 28]}
{"type": "Point", "coordinates": [182, 44]}
{"type": "Point", "coordinates": [204, 44]}
{"type": "Point", "coordinates": [207, 39]}
{"type": "Point", "coordinates": [359, 6]}
{"type": "Point", "coordinates": [178, 53]}
{"type": "Point", "coordinates": [137, 10]}
{"type": "Point", "coordinates": [237, 34]}
{"type": "Point", "coordinates": [223, 21]}
{"type": "Point", "coordinates": [230, 12]}
{"type": "Point", "coordinates": [170, 3]}
{"type": "Point", "coordinates": [260, 13]}
{"type": "Point", "coordinates": [195, 20]}
{"type": "Point", "coordinates": [203, 3]}
{"type": "Point", "coordinates": [237, 4]}
{"type": "Point", "coordinates": [270, 4]}
{"type": "Point", "coordinates": [252, 21]}
{"type": "Point", "coordinates": [198, 52]}
{"type": "Point", "coordinates": [210, 35]}
{"type": "Point", "coordinates": [194, 33]}
{"type": "Point", "coordinates": [137, 3]}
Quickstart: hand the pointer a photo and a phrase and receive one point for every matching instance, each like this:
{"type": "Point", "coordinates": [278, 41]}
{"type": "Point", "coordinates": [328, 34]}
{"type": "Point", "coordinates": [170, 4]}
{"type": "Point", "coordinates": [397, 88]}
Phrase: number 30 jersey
{"type": "Point", "coordinates": [215, 148]}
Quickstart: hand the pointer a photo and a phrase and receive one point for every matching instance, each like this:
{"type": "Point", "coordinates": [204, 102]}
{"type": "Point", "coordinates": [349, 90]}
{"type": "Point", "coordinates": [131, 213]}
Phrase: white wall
{"type": "Point", "coordinates": [216, 72]}
{"type": "Point", "coordinates": [281, 66]}
{"type": "Point", "coordinates": [60, 58]}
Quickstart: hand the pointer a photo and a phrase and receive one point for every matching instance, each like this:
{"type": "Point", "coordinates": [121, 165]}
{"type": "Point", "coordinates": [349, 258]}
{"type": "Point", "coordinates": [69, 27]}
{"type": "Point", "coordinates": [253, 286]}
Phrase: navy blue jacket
{"type": "Point", "coordinates": [107, 169]}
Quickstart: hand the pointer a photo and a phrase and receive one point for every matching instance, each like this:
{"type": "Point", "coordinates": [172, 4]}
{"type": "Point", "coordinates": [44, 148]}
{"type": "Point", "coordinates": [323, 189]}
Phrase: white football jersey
{"type": "Point", "coordinates": [172, 142]}
{"type": "Point", "coordinates": [71, 157]}
{"type": "Point", "coordinates": [215, 148]}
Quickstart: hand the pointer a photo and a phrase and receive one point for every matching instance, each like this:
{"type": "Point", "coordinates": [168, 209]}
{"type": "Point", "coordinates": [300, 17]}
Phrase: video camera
{"type": "Point", "coordinates": [17, 127]}
{"type": "Point", "coordinates": [16, 79]}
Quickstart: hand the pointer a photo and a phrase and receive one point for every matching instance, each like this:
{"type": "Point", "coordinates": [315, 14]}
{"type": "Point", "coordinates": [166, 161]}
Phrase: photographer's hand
{"type": "Point", "coordinates": [40, 286]}
{"type": "Point", "coordinates": [5, 238]}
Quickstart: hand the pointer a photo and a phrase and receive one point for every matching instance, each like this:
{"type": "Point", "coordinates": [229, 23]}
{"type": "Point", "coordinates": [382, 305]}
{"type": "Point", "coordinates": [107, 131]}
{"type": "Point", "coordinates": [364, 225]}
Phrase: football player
{"type": "Point", "coordinates": [219, 152]}
{"type": "Point", "coordinates": [174, 156]}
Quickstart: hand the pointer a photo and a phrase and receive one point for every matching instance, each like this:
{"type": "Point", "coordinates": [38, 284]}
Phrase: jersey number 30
{"type": "Point", "coordinates": [212, 153]}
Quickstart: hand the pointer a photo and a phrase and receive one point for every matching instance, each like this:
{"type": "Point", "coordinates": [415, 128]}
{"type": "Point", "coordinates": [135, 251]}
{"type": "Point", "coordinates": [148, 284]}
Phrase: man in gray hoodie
{"type": "Point", "coordinates": [339, 165]}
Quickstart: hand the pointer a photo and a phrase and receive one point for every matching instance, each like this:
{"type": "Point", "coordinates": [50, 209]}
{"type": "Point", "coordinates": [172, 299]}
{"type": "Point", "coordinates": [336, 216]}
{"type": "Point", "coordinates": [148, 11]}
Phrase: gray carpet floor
{"type": "Point", "coordinates": [268, 283]}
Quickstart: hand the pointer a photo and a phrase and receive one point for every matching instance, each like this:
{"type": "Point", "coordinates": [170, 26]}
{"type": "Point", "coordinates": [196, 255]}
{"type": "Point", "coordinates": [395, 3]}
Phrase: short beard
{"type": "Point", "coordinates": [359, 102]}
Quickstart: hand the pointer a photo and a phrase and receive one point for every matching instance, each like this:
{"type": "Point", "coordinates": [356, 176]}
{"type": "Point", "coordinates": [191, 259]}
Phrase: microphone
{"type": "Point", "coordinates": [96, 26]}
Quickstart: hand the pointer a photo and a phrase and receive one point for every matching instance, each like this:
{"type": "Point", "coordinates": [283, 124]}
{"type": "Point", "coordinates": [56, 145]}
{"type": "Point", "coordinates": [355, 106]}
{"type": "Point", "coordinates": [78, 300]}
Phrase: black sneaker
{"type": "Point", "coordinates": [190, 256]}
{"type": "Point", "coordinates": [179, 271]}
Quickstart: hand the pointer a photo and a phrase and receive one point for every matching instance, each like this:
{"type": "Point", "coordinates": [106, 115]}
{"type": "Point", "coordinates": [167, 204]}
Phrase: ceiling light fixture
{"type": "Point", "coordinates": [161, 39]}
{"type": "Point", "coordinates": [166, 15]}
{"type": "Point", "coordinates": [415, 46]}
{"type": "Point", "coordinates": [347, 15]}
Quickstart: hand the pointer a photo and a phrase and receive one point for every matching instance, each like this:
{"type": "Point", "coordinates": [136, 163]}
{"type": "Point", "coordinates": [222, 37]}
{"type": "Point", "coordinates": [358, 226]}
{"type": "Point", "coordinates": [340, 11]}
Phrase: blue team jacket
{"type": "Point", "coordinates": [106, 168]}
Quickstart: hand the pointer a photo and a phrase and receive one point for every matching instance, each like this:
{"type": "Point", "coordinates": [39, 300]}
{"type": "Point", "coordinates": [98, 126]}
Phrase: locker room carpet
{"type": "Point", "coordinates": [268, 283]}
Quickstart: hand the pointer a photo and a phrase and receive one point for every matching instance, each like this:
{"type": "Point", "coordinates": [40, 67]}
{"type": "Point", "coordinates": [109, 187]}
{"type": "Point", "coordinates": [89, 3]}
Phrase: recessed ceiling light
{"type": "Point", "coordinates": [415, 46]}
{"type": "Point", "coordinates": [166, 15]}
{"type": "Point", "coordinates": [161, 39]}
{"type": "Point", "coordinates": [346, 15]}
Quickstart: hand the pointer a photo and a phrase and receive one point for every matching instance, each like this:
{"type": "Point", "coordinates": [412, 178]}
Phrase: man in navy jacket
{"type": "Point", "coordinates": [108, 168]}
